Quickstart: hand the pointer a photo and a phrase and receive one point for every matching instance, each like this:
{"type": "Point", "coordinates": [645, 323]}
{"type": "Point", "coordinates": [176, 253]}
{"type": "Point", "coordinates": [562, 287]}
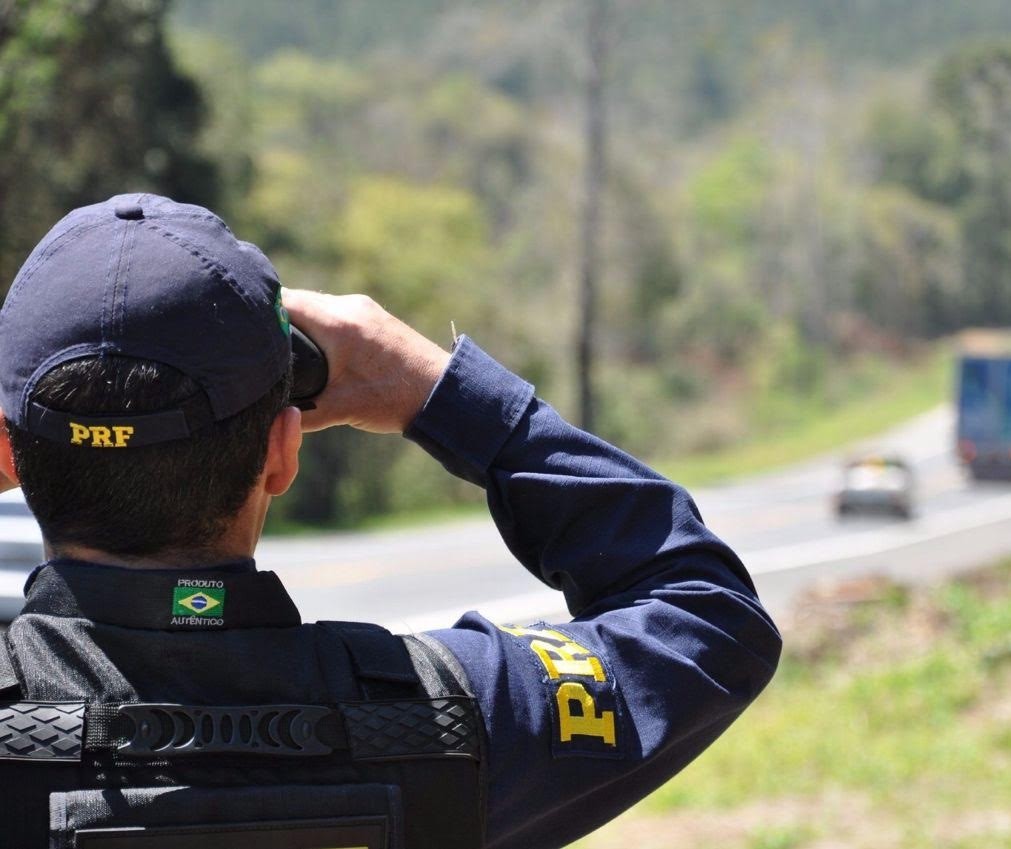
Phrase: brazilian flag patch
{"type": "Point", "coordinates": [189, 602]}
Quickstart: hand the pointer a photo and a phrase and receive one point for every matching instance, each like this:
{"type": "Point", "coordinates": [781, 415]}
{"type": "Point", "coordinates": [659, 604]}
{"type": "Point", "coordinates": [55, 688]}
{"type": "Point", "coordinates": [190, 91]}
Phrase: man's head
{"type": "Point", "coordinates": [145, 369]}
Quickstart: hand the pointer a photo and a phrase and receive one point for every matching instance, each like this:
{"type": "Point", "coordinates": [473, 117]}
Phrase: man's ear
{"type": "Point", "coordinates": [282, 451]}
{"type": "Point", "coordinates": [8, 474]}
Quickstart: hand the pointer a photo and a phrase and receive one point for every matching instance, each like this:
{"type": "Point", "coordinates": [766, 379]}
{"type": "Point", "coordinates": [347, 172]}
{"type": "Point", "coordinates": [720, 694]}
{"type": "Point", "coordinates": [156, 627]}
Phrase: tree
{"type": "Point", "coordinates": [973, 87]}
{"type": "Point", "coordinates": [593, 191]}
{"type": "Point", "coordinates": [420, 251]}
{"type": "Point", "coordinates": [91, 104]}
{"type": "Point", "coordinates": [918, 147]}
{"type": "Point", "coordinates": [909, 276]}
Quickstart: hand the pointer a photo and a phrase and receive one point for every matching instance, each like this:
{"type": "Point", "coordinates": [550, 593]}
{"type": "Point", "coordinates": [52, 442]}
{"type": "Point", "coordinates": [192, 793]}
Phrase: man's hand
{"type": "Point", "coordinates": [381, 370]}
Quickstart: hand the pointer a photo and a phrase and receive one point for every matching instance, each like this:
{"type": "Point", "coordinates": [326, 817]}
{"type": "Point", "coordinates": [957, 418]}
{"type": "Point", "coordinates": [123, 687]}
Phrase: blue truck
{"type": "Point", "coordinates": [984, 404]}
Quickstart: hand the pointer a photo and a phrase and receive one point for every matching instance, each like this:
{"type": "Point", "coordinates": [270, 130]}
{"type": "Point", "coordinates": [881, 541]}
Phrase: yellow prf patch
{"type": "Point", "coordinates": [580, 692]}
{"type": "Point", "coordinates": [99, 436]}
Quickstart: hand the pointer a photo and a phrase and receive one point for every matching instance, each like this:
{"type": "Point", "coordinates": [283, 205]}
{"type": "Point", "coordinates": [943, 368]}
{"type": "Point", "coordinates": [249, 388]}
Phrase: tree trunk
{"type": "Point", "coordinates": [590, 224]}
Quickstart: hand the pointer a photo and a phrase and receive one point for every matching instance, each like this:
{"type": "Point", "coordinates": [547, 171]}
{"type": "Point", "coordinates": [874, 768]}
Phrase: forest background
{"type": "Point", "coordinates": [802, 196]}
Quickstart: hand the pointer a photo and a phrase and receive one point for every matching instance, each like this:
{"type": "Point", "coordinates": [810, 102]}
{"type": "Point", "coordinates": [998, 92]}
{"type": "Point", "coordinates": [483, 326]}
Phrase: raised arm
{"type": "Point", "coordinates": [669, 642]}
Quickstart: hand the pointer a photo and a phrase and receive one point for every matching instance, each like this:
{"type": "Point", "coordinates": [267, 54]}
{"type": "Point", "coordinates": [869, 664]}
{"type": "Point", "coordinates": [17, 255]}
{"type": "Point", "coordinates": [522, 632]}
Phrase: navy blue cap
{"type": "Point", "coordinates": [145, 277]}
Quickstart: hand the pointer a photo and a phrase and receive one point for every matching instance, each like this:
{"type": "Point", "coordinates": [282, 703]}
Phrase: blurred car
{"type": "Point", "coordinates": [876, 484]}
{"type": "Point", "coordinates": [20, 551]}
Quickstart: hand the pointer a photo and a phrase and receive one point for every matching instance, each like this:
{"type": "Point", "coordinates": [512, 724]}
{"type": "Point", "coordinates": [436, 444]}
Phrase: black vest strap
{"type": "Point", "coordinates": [387, 731]}
{"type": "Point", "coordinates": [440, 672]}
{"type": "Point", "coordinates": [9, 684]}
{"type": "Point", "coordinates": [142, 730]}
{"type": "Point", "coordinates": [372, 731]}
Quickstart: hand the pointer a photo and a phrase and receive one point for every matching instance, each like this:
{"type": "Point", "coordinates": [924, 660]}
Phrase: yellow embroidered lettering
{"type": "Point", "coordinates": [585, 721]}
{"type": "Point", "coordinates": [563, 660]}
{"type": "Point", "coordinates": [78, 433]}
{"type": "Point", "coordinates": [101, 437]}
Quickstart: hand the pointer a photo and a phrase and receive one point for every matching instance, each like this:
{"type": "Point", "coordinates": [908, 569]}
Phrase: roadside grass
{"type": "Point", "coordinates": [789, 429]}
{"type": "Point", "coordinates": [900, 707]}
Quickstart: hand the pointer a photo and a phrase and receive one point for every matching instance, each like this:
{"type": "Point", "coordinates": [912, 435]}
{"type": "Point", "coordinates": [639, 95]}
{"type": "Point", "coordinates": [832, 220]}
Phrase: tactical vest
{"type": "Point", "coordinates": [398, 768]}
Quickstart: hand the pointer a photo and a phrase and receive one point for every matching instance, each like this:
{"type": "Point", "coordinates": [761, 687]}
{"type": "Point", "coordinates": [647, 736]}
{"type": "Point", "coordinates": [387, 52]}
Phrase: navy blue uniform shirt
{"type": "Point", "coordinates": [669, 642]}
{"type": "Point", "coordinates": [668, 645]}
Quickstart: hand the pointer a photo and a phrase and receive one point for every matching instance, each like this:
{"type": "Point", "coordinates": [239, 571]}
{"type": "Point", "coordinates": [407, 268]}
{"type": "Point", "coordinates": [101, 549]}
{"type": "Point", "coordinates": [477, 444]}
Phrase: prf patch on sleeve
{"type": "Point", "coordinates": [583, 696]}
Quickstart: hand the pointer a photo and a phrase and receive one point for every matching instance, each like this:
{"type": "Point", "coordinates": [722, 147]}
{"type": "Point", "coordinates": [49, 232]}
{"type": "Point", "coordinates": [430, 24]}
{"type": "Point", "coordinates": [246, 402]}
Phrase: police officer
{"type": "Point", "coordinates": [158, 690]}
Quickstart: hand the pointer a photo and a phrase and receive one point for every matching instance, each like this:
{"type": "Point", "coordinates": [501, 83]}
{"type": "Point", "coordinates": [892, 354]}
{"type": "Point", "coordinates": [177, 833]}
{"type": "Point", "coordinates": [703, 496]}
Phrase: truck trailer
{"type": "Point", "coordinates": [983, 405]}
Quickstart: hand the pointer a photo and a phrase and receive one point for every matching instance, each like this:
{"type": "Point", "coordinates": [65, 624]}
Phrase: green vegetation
{"type": "Point", "coordinates": [886, 726]}
{"type": "Point", "coordinates": [799, 198]}
{"type": "Point", "coordinates": [91, 104]}
{"type": "Point", "coordinates": [878, 397]}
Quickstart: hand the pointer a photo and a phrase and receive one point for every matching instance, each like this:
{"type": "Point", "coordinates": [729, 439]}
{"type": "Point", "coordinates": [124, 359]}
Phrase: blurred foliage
{"type": "Point", "coordinates": [918, 149]}
{"type": "Point", "coordinates": [680, 66]}
{"type": "Point", "coordinates": [794, 190]}
{"type": "Point", "coordinates": [91, 104]}
{"type": "Point", "coordinates": [910, 273]}
{"type": "Point", "coordinates": [417, 248]}
{"type": "Point", "coordinates": [783, 425]}
{"type": "Point", "coordinates": [973, 87]}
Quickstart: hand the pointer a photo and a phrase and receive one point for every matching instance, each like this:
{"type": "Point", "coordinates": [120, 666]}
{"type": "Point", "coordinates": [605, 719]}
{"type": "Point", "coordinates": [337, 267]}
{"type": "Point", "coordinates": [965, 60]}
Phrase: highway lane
{"type": "Point", "coordinates": [781, 523]}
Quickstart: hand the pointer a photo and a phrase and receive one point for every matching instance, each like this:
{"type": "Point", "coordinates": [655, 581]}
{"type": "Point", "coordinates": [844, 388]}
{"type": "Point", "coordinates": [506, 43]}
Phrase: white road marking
{"type": "Point", "coordinates": [847, 546]}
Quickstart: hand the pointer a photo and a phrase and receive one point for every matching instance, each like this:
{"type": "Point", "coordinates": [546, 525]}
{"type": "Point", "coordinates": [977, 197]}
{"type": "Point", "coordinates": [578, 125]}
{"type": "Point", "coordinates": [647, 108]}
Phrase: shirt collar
{"type": "Point", "coordinates": [223, 596]}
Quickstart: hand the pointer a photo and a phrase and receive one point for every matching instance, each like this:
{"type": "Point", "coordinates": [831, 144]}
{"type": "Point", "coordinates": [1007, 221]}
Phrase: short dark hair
{"type": "Point", "coordinates": [169, 498]}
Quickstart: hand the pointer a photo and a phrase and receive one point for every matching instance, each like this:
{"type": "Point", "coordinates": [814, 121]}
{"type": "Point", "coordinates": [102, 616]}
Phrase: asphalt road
{"type": "Point", "coordinates": [782, 524]}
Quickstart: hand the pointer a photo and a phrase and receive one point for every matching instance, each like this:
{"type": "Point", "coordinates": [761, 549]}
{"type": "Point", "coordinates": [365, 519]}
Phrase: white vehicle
{"type": "Point", "coordinates": [876, 484]}
{"type": "Point", "coordinates": [20, 551]}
